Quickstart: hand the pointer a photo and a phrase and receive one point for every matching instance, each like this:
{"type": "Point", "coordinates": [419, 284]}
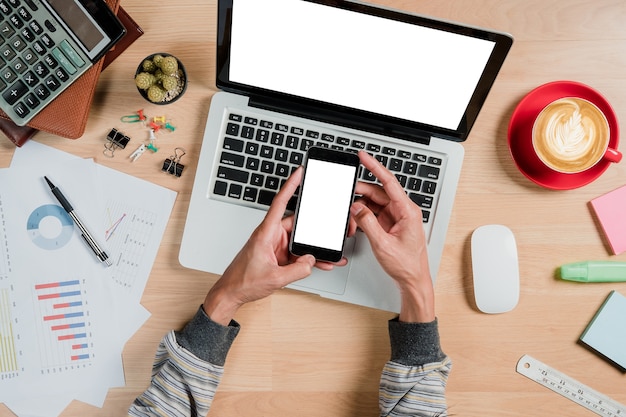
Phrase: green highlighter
{"type": "Point", "coordinates": [594, 271]}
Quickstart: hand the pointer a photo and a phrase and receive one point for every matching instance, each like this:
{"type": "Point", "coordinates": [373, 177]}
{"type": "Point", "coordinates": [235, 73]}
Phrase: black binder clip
{"type": "Point", "coordinates": [172, 164]}
{"type": "Point", "coordinates": [115, 139]}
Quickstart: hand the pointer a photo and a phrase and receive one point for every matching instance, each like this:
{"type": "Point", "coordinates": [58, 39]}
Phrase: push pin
{"type": "Point", "coordinates": [169, 127]}
{"type": "Point", "coordinates": [151, 147]}
{"type": "Point", "coordinates": [172, 164]}
{"type": "Point", "coordinates": [115, 139]}
{"type": "Point", "coordinates": [133, 118]}
{"type": "Point", "coordinates": [138, 152]}
{"type": "Point", "coordinates": [155, 127]}
{"type": "Point", "coordinates": [159, 119]}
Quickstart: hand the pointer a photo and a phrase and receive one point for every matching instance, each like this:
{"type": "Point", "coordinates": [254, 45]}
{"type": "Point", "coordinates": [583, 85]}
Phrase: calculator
{"type": "Point", "coordinates": [45, 46]}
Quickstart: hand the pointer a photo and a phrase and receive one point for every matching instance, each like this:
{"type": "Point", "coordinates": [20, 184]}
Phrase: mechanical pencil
{"type": "Point", "coordinates": [100, 254]}
{"type": "Point", "coordinates": [594, 271]}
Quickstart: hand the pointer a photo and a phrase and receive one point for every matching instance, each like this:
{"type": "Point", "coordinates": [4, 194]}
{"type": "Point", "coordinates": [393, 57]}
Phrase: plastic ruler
{"type": "Point", "coordinates": [569, 388]}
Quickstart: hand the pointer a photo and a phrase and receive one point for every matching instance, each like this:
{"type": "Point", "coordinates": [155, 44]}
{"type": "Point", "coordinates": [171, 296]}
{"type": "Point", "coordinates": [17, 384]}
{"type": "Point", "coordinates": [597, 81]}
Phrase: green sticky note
{"type": "Point", "coordinates": [606, 333]}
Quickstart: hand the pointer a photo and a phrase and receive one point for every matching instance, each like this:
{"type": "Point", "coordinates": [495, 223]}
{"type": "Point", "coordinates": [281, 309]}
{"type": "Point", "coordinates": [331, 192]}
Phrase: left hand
{"type": "Point", "coordinates": [264, 264]}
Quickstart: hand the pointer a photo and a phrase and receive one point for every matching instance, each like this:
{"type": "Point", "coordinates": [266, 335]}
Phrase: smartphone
{"type": "Point", "coordinates": [323, 207]}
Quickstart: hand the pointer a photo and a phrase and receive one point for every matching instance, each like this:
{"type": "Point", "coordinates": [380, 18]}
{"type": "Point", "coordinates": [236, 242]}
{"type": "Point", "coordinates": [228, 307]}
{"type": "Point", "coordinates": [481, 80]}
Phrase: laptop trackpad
{"type": "Point", "coordinates": [328, 281]}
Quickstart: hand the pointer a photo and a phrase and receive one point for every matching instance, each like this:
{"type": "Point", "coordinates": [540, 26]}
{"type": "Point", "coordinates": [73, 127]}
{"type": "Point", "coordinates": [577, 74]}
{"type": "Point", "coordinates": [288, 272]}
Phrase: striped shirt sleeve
{"type": "Point", "coordinates": [187, 370]}
{"type": "Point", "coordinates": [413, 381]}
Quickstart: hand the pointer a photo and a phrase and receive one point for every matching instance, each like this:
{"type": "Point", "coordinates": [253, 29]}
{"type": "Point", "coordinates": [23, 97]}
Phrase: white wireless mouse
{"type": "Point", "coordinates": [495, 269]}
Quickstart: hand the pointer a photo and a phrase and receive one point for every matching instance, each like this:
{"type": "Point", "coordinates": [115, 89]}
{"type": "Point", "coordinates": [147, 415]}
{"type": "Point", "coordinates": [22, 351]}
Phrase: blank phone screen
{"type": "Point", "coordinates": [324, 204]}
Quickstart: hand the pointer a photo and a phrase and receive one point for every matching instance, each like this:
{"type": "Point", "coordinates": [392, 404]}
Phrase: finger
{"type": "Point", "coordinates": [279, 204]}
{"type": "Point", "coordinates": [389, 181]}
{"type": "Point", "coordinates": [288, 223]}
{"type": "Point", "coordinates": [372, 192]}
{"type": "Point", "coordinates": [301, 268]}
{"type": "Point", "coordinates": [366, 220]}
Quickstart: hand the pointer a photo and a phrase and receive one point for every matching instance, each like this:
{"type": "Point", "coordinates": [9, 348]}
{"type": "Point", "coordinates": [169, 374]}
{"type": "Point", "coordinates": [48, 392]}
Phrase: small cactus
{"type": "Point", "coordinates": [156, 94]}
{"type": "Point", "coordinates": [161, 78]}
{"type": "Point", "coordinates": [144, 80]}
{"type": "Point", "coordinates": [168, 65]}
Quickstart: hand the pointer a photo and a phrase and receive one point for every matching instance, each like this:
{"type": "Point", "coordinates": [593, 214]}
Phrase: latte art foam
{"type": "Point", "coordinates": [570, 135]}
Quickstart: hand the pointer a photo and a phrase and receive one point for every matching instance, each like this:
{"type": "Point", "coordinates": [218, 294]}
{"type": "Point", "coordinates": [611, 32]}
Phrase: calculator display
{"type": "Point", "coordinates": [80, 22]}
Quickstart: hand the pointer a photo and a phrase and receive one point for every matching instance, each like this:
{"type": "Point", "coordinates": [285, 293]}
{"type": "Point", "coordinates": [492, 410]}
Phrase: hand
{"type": "Point", "coordinates": [393, 225]}
{"type": "Point", "coordinates": [264, 264]}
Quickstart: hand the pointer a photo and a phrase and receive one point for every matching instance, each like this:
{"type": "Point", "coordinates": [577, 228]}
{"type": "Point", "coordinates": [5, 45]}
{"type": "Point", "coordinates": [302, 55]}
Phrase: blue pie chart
{"type": "Point", "coordinates": [55, 218]}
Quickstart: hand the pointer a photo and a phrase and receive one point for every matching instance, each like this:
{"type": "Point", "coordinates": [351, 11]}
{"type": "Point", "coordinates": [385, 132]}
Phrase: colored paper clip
{"type": "Point", "coordinates": [172, 164]}
{"type": "Point", "coordinates": [115, 139]}
{"type": "Point", "coordinates": [133, 118]}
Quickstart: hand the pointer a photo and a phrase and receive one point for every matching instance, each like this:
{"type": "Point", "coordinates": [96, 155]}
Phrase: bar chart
{"type": "Point", "coordinates": [9, 366]}
{"type": "Point", "coordinates": [64, 328]}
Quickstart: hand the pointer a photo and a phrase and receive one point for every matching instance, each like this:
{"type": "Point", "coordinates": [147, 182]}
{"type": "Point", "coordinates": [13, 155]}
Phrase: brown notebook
{"type": "Point", "coordinates": [67, 115]}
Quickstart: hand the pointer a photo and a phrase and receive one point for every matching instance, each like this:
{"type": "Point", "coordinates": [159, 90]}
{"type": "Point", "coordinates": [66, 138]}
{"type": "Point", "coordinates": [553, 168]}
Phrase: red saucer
{"type": "Point", "coordinates": [521, 126]}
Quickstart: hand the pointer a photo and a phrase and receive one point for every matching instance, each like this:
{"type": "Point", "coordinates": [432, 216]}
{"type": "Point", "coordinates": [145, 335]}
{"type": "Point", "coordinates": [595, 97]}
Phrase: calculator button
{"type": "Point", "coordinates": [32, 5]}
{"type": "Point", "coordinates": [4, 8]}
{"type": "Point", "coordinates": [16, 22]}
{"type": "Point", "coordinates": [72, 54]}
{"type": "Point", "coordinates": [31, 101]}
{"type": "Point", "coordinates": [35, 27]}
{"type": "Point", "coordinates": [7, 53]}
{"type": "Point", "coordinates": [50, 61]}
{"type": "Point", "coordinates": [8, 75]}
{"type": "Point", "coordinates": [21, 110]}
{"type": "Point", "coordinates": [51, 27]}
{"type": "Point", "coordinates": [19, 66]}
{"type": "Point", "coordinates": [24, 14]}
{"type": "Point", "coordinates": [30, 79]}
{"type": "Point", "coordinates": [39, 48]}
{"type": "Point", "coordinates": [61, 74]}
{"type": "Point", "coordinates": [17, 43]}
{"type": "Point", "coordinates": [27, 34]}
{"type": "Point", "coordinates": [52, 83]}
{"type": "Point", "coordinates": [6, 30]}
{"type": "Point", "coordinates": [42, 92]}
{"type": "Point", "coordinates": [65, 63]}
{"type": "Point", "coordinates": [15, 92]}
{"type": "Point", "coordinates": [47, 41]}
{"type": "Point", "coordinates": [41, 70]}
{"type": "Point", "coordinates": [29, 56]}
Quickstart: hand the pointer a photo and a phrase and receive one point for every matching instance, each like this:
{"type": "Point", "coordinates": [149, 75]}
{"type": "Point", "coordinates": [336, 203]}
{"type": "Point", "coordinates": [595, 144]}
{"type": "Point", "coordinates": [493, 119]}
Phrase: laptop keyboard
{"type": "Point", "coordinates": [38, 59]}
{"type": "Point", "coordinates": [258, 154]}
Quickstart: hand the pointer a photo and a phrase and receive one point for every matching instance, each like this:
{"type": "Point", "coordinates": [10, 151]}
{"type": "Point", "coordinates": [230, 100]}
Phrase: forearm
{"type": "Point", "coordinates": [413, 381]}
{"type": "Point", "coordinates": [187, 369]}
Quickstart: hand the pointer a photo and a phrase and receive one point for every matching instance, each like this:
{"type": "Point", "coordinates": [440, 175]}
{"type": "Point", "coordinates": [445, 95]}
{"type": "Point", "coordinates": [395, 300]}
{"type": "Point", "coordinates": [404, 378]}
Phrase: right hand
{"type": "Point", "coordinates": [393, 225]}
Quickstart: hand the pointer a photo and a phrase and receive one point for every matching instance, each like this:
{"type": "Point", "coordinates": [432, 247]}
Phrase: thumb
{"type": "Point", "coordinates": [366, 221]}
{"type": "Point", "coordinates": [301, 268]}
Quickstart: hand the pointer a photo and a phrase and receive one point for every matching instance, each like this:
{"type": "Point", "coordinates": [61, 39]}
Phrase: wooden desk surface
{"type": "Point", "coordinates": [301, 355]}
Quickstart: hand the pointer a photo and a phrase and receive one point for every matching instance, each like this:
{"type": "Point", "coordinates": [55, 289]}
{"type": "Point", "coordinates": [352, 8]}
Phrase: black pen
{"type": "Point", "coordinates": [100, 254]}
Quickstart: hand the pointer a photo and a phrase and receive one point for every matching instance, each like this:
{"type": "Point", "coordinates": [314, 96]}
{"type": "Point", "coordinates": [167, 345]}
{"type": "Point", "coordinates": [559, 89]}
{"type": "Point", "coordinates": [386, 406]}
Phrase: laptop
{"type": "Point", "coordinates": [300, 73]}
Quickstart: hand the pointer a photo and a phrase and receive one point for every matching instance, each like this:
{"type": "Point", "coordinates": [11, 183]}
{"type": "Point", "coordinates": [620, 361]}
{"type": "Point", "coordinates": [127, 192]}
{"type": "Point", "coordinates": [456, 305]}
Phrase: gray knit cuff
{"type": "Point", "coordinates": [415, 344]}
{"type": "Point", "coordinates": [206, 339]}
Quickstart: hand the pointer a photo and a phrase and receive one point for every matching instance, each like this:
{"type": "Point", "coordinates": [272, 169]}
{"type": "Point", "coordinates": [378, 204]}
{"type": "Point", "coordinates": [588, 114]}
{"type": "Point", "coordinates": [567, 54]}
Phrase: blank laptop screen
{"type": "Point", "coordinates": [370, 63]}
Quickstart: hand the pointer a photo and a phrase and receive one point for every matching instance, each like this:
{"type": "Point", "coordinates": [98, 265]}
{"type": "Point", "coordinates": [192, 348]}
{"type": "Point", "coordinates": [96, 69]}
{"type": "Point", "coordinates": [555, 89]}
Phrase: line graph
{"type": "Point", "coordinates": [128, 233]}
